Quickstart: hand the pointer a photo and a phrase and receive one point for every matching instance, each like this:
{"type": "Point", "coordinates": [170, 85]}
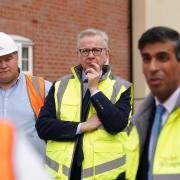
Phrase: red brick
{"type": "Point", "coordinates": [53, 26]}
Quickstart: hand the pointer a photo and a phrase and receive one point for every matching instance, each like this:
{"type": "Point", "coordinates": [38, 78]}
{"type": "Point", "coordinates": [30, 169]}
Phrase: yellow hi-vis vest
{"type": "Point", "coordinates": [166, 164]}
{"type": "Point", "coordinates": [104, 154]}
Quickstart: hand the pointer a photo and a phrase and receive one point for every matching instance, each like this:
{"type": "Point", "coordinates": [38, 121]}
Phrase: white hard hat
{"type": "Point", "coordinates": [7, 44]}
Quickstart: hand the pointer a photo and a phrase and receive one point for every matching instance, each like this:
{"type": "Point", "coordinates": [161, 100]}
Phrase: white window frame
{"type": "Point", "coordinates": [23, 42]}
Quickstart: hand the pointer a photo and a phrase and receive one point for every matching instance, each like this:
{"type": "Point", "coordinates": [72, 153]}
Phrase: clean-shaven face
{"type": "Point", "coordinates": [92, 42]}
{"type": "Point", "coordinates": [8, 69]}
{"type": "Point", "coordinates": [161, 68]}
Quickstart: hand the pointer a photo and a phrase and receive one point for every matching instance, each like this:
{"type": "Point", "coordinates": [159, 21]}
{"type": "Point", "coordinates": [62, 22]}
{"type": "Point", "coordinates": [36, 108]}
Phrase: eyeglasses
{"type": "Point", "coordinates": [96, 51]}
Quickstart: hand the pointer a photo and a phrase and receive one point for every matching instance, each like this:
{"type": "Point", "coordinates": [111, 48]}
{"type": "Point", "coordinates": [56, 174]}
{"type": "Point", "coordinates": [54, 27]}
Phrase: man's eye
{"type": "Point", "coordinates": [96, 50]}
{"type": "Point", "coordinates": [146, 59]}
{"type": "Point", "coordinates": [163, 57]}
{"type": "Point", "coordinates": [85, 51]}
{"type": "Point", "coordinates": [8, 59]}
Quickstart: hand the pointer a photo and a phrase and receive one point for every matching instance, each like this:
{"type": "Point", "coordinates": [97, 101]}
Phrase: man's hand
{"type": "Point", "coordinates": [93, 76]}
{"type": "Point", "coordinates": [91, 124]}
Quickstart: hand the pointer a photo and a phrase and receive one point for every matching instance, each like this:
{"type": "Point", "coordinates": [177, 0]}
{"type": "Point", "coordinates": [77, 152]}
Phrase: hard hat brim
{"type": "Point", "coordinates": [8, 51]}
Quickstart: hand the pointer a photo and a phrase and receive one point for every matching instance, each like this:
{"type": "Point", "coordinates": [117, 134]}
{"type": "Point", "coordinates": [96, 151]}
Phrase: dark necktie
{"type": "Point", "coordinates": [154, 136]}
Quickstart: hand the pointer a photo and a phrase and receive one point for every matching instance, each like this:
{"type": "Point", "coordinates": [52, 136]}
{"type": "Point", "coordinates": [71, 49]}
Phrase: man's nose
{"type": "Point", "coordinates": [153, 64]}
{"type": "Point", "coordinates": [91, 54]}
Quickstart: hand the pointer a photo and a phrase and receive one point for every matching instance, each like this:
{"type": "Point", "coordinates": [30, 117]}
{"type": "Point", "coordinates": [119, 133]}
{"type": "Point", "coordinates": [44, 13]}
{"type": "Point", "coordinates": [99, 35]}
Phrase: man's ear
{"type": "Point", "coordinates": [106, 61]}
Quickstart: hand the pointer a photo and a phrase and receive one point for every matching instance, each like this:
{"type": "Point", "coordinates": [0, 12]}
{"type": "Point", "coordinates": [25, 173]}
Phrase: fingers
{"type": "Point", "coordinates": [93, 76]}
{"type": "Point", "coordinates": [91, 124]}
{"type": "Point", "coordinates": [94, 68]}
{"type": "Point", "coordinates": [95, 120]}
{"type": "Point", "coordinates": [93, 72]}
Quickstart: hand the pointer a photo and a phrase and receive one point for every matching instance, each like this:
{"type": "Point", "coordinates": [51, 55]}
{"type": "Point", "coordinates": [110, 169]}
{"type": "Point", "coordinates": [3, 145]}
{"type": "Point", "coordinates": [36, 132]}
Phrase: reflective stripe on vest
{"type": "Point", "coordinates": [117, 86]}
{"type": "Point", "coordinates": [63, 85]}
{"type": "Point", "coordinates": [166, 177]}
{"type": "Point", "coordinates": [101, 168]}
{"type": "Point", "coordinates": [36, 92]}
{"type": "Point", "coordinates": [52, 164]}
{"type": "Point", "coordinates": [6, 151]}
{"type": "Point", "coordinates": [62, 168]}
{"type": "Point", "coordinates": [55, 166]}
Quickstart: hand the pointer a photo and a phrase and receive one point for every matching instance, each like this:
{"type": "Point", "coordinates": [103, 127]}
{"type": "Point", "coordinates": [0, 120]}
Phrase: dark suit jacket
{"type": "Point", "coordinates": [114, 117]}
{"type": "Point", "coordinates": [142, 172]}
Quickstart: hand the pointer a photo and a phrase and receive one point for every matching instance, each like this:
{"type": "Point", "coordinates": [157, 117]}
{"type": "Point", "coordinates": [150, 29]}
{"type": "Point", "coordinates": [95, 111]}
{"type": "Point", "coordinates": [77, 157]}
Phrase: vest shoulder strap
{"type": "Point", "coordinates": [63, 84]}
{"type": "Point", "coordinates": [119, 82]}
{"type": "Point", "coordinates": [6, 151]}
{"type": "Point", "coordinates": [36, 92]}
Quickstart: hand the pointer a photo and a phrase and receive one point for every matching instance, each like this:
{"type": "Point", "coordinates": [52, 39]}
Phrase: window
{"type": "Point", "coordinates": [25, 53]}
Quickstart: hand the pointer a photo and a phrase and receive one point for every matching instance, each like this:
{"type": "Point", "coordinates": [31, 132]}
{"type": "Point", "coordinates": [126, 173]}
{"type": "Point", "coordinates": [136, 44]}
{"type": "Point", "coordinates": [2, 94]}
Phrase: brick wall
{"type": "Point", "coordinates": [53, 25]}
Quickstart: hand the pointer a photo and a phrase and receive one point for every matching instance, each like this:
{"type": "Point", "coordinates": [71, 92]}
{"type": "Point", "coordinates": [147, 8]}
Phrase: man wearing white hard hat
{"type": "Point", "coordinates": [21, 95]}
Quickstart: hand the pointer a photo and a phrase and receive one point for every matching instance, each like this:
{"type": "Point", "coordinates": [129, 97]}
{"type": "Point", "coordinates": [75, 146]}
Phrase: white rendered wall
{"type": "Point", "coordinates": [146, 14]}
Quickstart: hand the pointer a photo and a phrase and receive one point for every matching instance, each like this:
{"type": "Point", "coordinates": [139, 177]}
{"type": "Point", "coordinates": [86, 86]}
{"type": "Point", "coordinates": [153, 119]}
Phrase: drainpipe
{"type": "Point", "coordinates": [130, 41]}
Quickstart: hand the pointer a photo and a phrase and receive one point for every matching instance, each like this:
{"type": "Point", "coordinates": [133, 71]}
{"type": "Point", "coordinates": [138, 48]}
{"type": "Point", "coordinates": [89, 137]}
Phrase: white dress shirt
{"type": "Point", "coordinates": [169, 104]}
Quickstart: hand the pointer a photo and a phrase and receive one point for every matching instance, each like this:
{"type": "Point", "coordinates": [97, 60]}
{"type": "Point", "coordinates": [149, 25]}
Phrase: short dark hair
{"type": "Point", "coordinates": [160, 34]}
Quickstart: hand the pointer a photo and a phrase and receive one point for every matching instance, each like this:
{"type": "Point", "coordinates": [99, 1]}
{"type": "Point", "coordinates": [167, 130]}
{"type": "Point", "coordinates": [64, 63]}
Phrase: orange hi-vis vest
{"type": "Point", "coordinates": [7, 133]}
{"type": "Point", "coordinates": [36, 92]}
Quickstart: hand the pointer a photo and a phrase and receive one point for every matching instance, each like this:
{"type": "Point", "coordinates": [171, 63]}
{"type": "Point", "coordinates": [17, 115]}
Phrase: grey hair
{"type": "Point", "coordinates": [93, 32]}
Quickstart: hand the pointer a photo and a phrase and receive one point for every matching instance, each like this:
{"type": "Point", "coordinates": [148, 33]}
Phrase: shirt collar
{"type": "Point", "coordinates": [170, 103]}
{"type": "Point", "coordinates": [83, 76]}
{"type": "Point", "coordinates": [19, 76]}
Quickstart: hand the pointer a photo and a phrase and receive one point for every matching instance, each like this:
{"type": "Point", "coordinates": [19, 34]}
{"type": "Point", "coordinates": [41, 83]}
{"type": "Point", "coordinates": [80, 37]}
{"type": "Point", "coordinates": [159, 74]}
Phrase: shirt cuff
{"type": "Point", "coordinates": [95, 92]}
{"type": "Point", "coordinates": [78, 129]}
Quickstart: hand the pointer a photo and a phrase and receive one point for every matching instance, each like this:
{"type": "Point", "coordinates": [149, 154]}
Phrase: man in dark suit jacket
{"type": "Point", "coordinates": [153, 145]}
{"type": "Point", "coordinates": [85, 116]}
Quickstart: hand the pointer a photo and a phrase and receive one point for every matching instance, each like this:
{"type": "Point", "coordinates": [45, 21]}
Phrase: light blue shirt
{"type": "Point", "coordinates": [15, 106]}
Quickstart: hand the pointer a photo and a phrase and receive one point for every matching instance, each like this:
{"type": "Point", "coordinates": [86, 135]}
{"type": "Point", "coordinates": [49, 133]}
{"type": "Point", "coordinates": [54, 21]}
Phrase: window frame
{"type": "Point", "coordinates": [23, 42]}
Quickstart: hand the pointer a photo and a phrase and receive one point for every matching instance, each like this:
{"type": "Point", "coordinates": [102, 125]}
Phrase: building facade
{"type": "Point", "coordinates": [146, 14]}
{"type": "Point", "coordinates": [45, 32]}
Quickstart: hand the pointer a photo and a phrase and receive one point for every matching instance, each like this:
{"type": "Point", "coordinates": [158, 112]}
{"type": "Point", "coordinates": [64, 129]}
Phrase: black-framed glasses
{"type": "Point", "coordinates": [96, 51]}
